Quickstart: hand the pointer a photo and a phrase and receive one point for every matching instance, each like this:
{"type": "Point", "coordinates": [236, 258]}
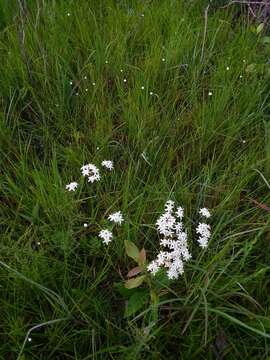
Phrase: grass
{"type": "Point", "coordinates": [58, 284]}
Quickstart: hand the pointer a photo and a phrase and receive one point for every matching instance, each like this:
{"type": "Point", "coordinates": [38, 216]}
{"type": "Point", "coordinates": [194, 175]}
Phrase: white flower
{"type": "Point", "coordinates": [165, 224]}
{"type": "Point", "coordinates": [175, 240]}
{"type": "Point", "coordinates": [180, 212]}
{"type": "Point", "coordinates": [204, 230]}
{"type": "Point", "coordinates": [175, 269]}
{"type": "Point", "coordinates": [106, 236]}
{"type": "Point", "coordinates": [153, 267]}
{"type": "Point", "coordinates": [116, 217]}
{"type": "Point", "coordinates": [85, 225]}
{"type": "Point", "coordinates": [169, 206]}
{"type": "Point", "coordinates": [91, 171]}
{"type": "Point", "coordinates": [205, 212]}
{"type": "Point", "coordinates": [108, 164]}
{"type": "Point", "coordinates": [94, 177]}
{"type": "Point", "coordinates": [72, 186]}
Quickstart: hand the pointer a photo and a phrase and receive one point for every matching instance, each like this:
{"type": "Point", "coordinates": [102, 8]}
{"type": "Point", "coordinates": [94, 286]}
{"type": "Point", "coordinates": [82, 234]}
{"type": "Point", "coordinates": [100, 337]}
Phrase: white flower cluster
{"type": "Point", "coordinates": [170, 226]}
{"type": "Point", "coordinates": [203, 229]}
{"type": "Point", "coordinates": [108, 164]}
{"type": "Point", "coordinates": [72, 186]}
{"type": "Point", "coordinates": [92, 172]}
{"type": "Point", "coordinates": [116, 217]}
{"type": "Point", "coordinates": [106, 235]}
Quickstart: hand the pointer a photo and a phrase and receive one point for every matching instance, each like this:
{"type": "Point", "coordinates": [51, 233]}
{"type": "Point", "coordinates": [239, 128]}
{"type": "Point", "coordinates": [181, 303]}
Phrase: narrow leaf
{"type": "Point", "coordinates": [260, 28]}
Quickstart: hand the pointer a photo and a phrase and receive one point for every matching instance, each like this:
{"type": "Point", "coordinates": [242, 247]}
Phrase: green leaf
{"type": "Point", "coordinates": [136, 302]}
{"type": "Point", "coordinates": [260, 28]}
{"type": "Point", "coordinates": [123, 291]}
{"type": "Point", "coordinates": [132, 250]}
{"type": "Point", "coordinates": [266, 40]}
{"type": "Point", "coordinates": [134, 282]}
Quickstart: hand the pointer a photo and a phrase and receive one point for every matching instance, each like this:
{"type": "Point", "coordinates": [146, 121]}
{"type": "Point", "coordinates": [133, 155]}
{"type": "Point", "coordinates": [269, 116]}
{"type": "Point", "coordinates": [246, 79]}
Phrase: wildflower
{"type": "Point", "coordinates": [121, 70]}
{"type": "Point", "coordinates": [29, 339]}
{"type": "Point", "coordinates": [180, 212]}
{"type": "Point", "coordinates": [170, 225]}
{"type": "Point", "coordinates": [151, 93]}
{"type": "Point", "coordinates": [165, 224]}
{"type": "Point", "coordinates": [227, 68]}
{"type": "Point", "coordinates": [86, 89]}
{"type": "Point", "coordinates": [85, 225]}
{"type": "Point", "coordinates": [204, 231]}
{"type": "Point", "coordinates": [205, 212]}
{"type": "Point", "coordinates": [106, 236]}
{"type": "Point", "coordinates": [85, 77]}
{"type": "Point", "coordinates": [72, 186]}
{"type": "Point", "coordinates": [163, 59]}
{"type": "Point", "coordinates": [108, 164]}
{"type": "Point", "coordinates": [116, 217]}
{"type": "Point", "coordinates": [153, 267]}
{"type": "Point", "coordinates": [94, 84]}
{"type": "Point", "coordinates": [91, 171]}
{"type": "Point", "coordinates": [125, 80]}
{"type": "Point", "coordinates": [71, 82]}
{"type": "Point", "coordinates": [106, 62]}
{"type": "Point", "coordinates": [142, 87]}
{"type": "Point", "coordinates": [169, 205]}
{"type": "Point", "coordinates": [210, 93]}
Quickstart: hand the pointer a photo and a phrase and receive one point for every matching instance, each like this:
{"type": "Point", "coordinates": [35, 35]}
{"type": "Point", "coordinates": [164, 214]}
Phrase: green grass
{"type": "Point", "coordinates": [67, 293]}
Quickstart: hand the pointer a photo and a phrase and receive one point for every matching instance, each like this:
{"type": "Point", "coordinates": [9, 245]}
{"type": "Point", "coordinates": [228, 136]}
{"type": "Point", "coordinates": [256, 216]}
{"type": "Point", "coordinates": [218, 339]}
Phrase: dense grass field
{"type": "Point", "coordinates": [177, 97]}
